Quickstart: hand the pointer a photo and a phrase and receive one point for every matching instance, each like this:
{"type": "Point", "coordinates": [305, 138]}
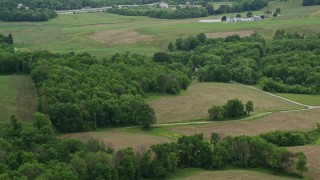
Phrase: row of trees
{"type": "Point", "coordinates": [292, 138]}
{"type": "Point", "coordinates": [26, 15]}
{"type": "Point", "coordinates": [33, 152]}
{"type": "Point", "coordinates": [163, 14]}
{"type": "Point", "coordinates": [240, 6]}
{"type": "Point", "coordinates": [311, 2]}
{"type": "Point", "coordinates": [232, 109]}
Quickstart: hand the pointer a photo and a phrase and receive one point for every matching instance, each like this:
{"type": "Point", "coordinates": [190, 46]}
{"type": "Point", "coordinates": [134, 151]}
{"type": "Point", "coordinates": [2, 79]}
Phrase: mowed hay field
{"type": "Point", "coordinates": [199, 97]}
{"type": "Point", "coordinates": [18, 97]}
{"type": "Point", "coordinates": [119, 138]}
{"type": "Point", "coordinates": [236, 175]}
{"type": "Point", "coordinates": [311, 100]}
{"type": "Point", "coordinates": [313, 158]}
{"type": "Point", "coordinates": [105, 34]}
{"type": "Point", "coordinates": [301, 120]}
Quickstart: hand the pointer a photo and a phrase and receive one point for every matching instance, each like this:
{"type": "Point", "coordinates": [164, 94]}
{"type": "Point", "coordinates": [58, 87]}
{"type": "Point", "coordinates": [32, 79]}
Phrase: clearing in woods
{"type": "Point", "coordinates": [199, 97]}
{"type": "Point", "coordinates": [313, 158]}
{"type": "Point", "coordinates": [300, 120]}
{"type": "Point", "coordinates": [119, 138]}
{"type": "Point", "coordinates": [18, 97]}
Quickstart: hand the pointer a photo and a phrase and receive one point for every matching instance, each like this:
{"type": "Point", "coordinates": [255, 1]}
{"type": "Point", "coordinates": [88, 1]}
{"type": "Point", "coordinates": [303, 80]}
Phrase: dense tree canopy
{"type": "Point", "coordinates": [32, 151]}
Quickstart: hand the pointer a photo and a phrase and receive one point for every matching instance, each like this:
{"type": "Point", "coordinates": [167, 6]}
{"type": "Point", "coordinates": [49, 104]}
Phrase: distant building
{"type": "Point", "coordinates": [239, 19]}
{"type": "Point", "coordinates": [20, 6]}
{"type": "Point", "coordinates": [163, 5]}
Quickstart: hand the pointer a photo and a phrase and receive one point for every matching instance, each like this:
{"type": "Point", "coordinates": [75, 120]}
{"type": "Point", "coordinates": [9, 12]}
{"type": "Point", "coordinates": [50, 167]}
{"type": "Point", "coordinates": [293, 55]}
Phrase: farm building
{"type": "Point", "coordinates": [239, 19]}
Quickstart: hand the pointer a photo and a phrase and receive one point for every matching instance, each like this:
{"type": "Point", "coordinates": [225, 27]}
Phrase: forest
{"type": "Point", "coordinates": [32, 151]}
{"type": "Point", "coordinates": [287, 64]}
{"type": "Point", "coordinates": [183, 13]}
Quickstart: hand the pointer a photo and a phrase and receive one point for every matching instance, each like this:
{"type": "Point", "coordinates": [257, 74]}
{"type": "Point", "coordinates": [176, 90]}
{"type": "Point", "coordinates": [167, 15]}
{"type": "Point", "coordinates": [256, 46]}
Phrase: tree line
{"type": "Point", "coordinates": [32, 151]}
{"type": "Point", "coordinates": [310, 2]}
{"type": "Point", "coordinates": [12, 10]}
{"type": "Point", "coordinates": [287, 64]}
{"type": "Point", "coordinates": [182, 13]}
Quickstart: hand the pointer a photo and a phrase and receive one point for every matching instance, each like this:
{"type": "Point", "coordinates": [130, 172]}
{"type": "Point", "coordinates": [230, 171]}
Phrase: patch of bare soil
{"type": "Point", "coordinates": [121, 36]}
{"type": "Point", "coordinates": [118, 139]}
{"type": "Point", "coordinates": [226, 34]}
{"type": "Point", "coordinates": [301, 120]}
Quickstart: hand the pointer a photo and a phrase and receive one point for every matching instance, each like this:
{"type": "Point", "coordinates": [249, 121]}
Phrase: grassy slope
{"type": "Point", "coordinates": [301, 120]}
{"type": "Point", "coordinates": [195, 102]}
{"type": "Point", "coordinates": [313, 158]}
{"type": "Point", "coordinates": [120, 138]}
{"type": "Point", "coordinates": [227, 174]}
{"type": "Point", "coordinates": [312, 100]}
{"type": "Point", "coordinates": [74, 32]}
{"type": "Point", "coordinates": [17, 97]}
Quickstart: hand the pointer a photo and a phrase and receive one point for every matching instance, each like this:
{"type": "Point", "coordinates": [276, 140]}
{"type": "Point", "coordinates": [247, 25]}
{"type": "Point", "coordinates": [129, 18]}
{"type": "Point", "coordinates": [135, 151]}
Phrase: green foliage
{"type": "Point", "coordinates": [82, 92]}
{"type": "Point", "coordinates": [170, 46]}
{"type": "Point", "coordinates": [71, 159]}
{"type": "Point", "coordinates": [311, 2]}
{"type": "Point", "coordinates": [249, 107]}
{"type": "Point", "coordinates": [233, 108]}
{"type": "Point", "coordinates": [301, 164]}
{"type": "Point", "coordinates": [216, 113]}
{"type": "Point", "coordinates": [182, 13]}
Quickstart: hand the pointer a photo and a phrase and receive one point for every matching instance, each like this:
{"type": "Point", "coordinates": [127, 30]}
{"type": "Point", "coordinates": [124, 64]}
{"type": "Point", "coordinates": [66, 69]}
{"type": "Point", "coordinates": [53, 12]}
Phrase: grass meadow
{"type": "Point", "coordinates": [232, 174]}
{"type": "Point", "coordinates": [17, 97]}
{"type": "Point", "coordinates": [193, 104]}
{"type": "Point", "coordinates": [104, 34]}
{"type": "Point", "coordinates": [311, 100]}
{"type": "Point", "coordinates": [299, 120]}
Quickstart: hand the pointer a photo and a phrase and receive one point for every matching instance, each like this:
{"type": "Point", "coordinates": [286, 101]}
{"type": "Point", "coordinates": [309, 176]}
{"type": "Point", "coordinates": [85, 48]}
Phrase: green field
{"type": "Point", "coordinates": [17, 97]}
{"type": "Point", "coordinates": [199, 97]}
{"type": "Point", "coordinates": [105, 34]}
{"type": "Point", "coordinates": [311, 100]}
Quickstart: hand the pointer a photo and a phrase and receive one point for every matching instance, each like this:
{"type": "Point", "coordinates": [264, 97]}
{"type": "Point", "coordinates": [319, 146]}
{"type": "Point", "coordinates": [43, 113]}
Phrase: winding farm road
{"type": "Point", "coordinates": [306, 107]}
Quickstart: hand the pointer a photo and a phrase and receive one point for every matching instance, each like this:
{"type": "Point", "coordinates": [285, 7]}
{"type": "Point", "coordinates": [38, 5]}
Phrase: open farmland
{"type": "Point", "coordinates": [236, 175]}
{"type": "Point", "coordinates": [105, 34]}
{"type": "Point", "coordinates": [17, 97]}
{"type": "Point", "coordinates": [311, 100]}
{"type": "Point", "coordinates": [119, 139]}
{"type": "Point", "coordinates": [312, 153]}
{"type": "Point", "coordinates": [300, 120]}
{"type": "Point", "coordinates": [199, 97]}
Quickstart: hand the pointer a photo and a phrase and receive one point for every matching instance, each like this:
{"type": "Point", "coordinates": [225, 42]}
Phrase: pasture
{"type": "Point", "coordinates": [235, 175]}
{"type": "Point", "coordinates": [311, 100]}
{"type": "Point", "coordinates": [299, 120]}
{"type": "Point", "coordinates": [105, 34]}
{"type": "Point", "coordinates": [199, 97]}
{"type": "Point", "coordinates": [312, 153]}
{"type": "Point", "coordinates": [119, 138]}
{"type": "Point", "coordinates": [18, 97]}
